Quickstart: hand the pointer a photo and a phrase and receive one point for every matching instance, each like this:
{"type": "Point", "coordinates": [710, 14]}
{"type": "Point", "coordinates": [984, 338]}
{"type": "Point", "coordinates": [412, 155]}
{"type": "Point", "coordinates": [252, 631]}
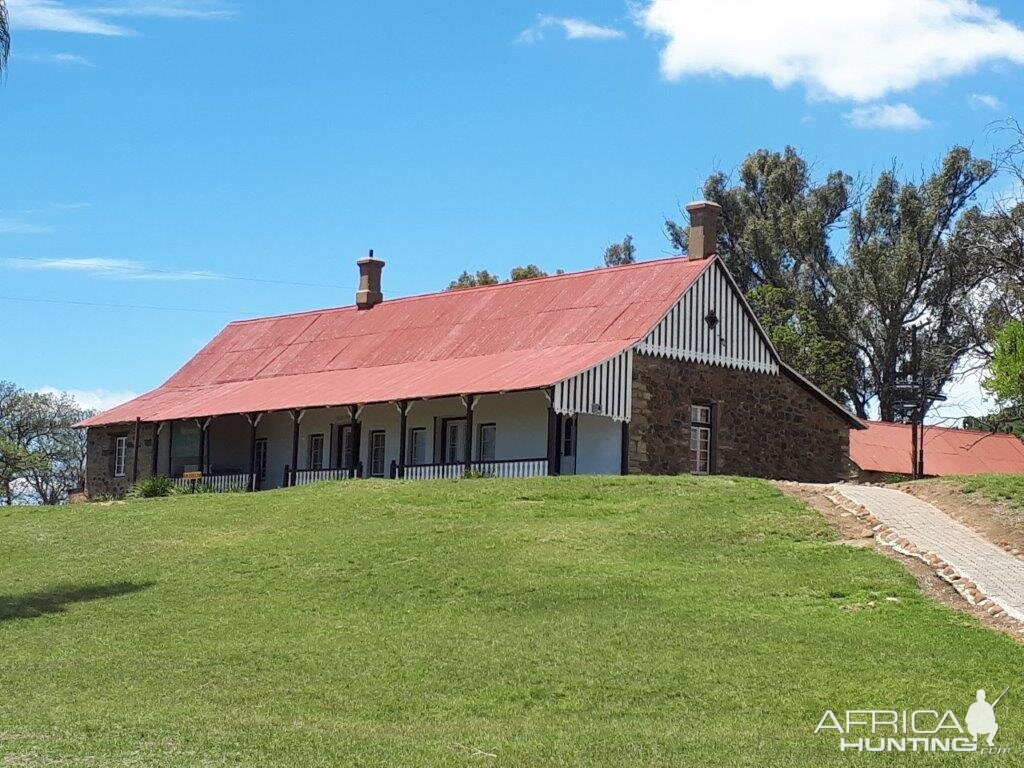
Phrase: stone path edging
{"type": "Point", "coordinates": [892, 516]}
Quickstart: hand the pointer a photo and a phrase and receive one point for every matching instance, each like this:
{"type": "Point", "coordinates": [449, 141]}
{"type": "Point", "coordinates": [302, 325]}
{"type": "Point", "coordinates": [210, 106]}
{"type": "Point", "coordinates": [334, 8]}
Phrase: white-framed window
{"type": "Point", "coordinates": [120, 454]}
{"type": "Point", "coordinates": [417, 446]}
{"type": "Point", "coordinates": [700, 439]}
{"type": "Point", "coordinates": [700, 414]}
{"type": "Point", "coordinates": [377, 453]}
{"type": "Point", "coordinates": [455, 441]}
{"type": "Point", "coordinates": [486, 440]}
{"type": "Point", "coordinates": [568, 436]}
{"type": "Point", "coordinates": [261, 458]}
{"type": "Point", "coordinates": [345, 451]}
{"type": "Point", "coordinates": [315, 455]}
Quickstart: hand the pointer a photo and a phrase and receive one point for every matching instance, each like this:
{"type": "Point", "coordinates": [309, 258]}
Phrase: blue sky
{"type": "Point", "coordinates": [155, 149]}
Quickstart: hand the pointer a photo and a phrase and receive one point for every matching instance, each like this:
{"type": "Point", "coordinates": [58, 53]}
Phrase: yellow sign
{"type": "Point", "coordinates": [192, 475]}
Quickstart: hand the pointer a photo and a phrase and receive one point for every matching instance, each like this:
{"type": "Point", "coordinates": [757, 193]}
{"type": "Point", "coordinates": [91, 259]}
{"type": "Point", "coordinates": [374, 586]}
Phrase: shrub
{"type": "Point", "coordinates": [152, 487]}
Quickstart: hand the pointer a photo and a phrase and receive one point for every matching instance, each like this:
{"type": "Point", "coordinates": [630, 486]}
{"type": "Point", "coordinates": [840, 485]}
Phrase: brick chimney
{"type": "Point", "coordinates": [369, 293]}
{"type": "Point", "coordinates": [703, 229]}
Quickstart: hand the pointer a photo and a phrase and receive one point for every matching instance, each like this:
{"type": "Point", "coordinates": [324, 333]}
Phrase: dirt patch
{"type": "Point", "coordinates": [853, 532]}
{"type": "Point", "coordinates": [997, 521]}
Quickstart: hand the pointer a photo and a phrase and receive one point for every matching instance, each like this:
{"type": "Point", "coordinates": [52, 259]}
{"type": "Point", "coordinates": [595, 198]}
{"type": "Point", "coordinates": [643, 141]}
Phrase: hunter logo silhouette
{"type": "Point", "coordinates": [917, 730]}
{"type": "Point", "coordinates": [981, 717]}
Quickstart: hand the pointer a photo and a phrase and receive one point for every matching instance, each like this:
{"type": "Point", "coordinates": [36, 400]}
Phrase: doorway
{"type": "Point", "coordinates": [377, 453]}
{"type": "Point", "coordinates": [567, 445]}
{"type": "Point", "coordinates": [453, 445]}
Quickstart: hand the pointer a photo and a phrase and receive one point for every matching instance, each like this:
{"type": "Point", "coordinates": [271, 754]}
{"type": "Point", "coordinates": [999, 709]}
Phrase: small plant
{"type": "Point", "coordinates": [153, 487]}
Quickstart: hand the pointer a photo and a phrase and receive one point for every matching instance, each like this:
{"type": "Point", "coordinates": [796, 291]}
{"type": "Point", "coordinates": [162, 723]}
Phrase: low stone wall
{"type": "Point", "coordinates": [101, 443]}
{"type": "Point", "coordinates": [766, 426]}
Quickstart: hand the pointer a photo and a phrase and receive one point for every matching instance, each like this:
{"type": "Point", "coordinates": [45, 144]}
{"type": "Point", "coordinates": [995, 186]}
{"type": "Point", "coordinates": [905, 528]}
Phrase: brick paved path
{"type": "Point", "coordinates": [997, 573]}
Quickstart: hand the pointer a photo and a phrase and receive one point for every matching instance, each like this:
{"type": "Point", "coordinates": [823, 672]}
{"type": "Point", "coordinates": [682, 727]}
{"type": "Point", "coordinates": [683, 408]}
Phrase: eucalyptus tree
{"type": "Point", "coordinates": [472, 280]}
{"type": "Point", "coordinates": [777, 223]}
{"type": "Point", "coordinates": [998, 232]}
{"type": "Point", "coordinates": [845, 316]}
{"type": "Point", "coordinates": [912, 272]}
{"type": "Point", "coordinates": [5, 36]}
{"type": "Point", "coordinates": [777, 239]}
{"type": "Point", "coordinates": [483, 277]}
{"type": "Point", "coordinates": [620, 254]}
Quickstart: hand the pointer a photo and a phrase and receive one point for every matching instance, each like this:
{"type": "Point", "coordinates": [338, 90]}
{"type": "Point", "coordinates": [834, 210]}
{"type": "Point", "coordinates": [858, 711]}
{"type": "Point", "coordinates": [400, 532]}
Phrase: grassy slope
{"type": "Point", "coordinates": [573, 621]}
{"type": "Point", "coordinates": [999, 487]}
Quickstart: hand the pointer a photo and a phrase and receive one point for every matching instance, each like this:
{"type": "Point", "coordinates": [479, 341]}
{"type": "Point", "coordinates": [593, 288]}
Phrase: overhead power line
{"type": "Point", "coordinates": [197, 274]}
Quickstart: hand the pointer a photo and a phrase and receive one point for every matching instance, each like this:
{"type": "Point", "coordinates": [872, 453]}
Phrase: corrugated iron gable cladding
{"type": "Point", "coordinates": [604, 390]}
{"type": "Point", "coordinates": [735, 341]}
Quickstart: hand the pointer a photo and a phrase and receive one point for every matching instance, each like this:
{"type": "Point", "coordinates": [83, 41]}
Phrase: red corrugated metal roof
{"type": "Point", "coordinates": [512, 336]}
{"type": "Point", "coordinates": [885, 447]}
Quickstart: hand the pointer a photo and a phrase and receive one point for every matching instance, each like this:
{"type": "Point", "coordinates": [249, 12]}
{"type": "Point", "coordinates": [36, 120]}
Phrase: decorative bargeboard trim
{"type": "Point", "coordinates": [732, 338]}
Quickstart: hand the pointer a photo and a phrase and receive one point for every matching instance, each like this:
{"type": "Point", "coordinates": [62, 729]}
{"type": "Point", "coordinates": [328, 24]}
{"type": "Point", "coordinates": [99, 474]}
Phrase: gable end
{"type": "Point", "coordinates": [712, 323]}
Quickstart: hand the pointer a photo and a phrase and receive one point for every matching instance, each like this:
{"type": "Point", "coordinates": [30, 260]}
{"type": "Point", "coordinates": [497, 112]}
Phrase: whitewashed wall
{"type": "Point", "coordinates": [277, 428]}
{"type": "Point", "coordinates": [685, 334]}
{"type": "Point", "coordinates": [522, 419]}
{"type": "Point", "coordinates": [427, 414]}
{"type": "Point", "coordinates": [374, 417]}
{"type": "Point", "coordinates": [598, 445]}
{"type": "Point", "coordinates": [320, 421]}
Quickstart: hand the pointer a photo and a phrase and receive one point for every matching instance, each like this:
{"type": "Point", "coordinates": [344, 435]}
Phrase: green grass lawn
{"type": "Point", "coordinates": [566, 621]}
{"type": "Point", "coordinates": [999, 487]}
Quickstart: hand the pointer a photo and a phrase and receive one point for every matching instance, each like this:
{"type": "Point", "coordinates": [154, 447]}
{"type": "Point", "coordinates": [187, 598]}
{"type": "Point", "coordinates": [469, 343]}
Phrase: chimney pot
{"type": "Point", "coordinates": [369, 293]}
{"type": "Point", "coordinates": [704, 217]}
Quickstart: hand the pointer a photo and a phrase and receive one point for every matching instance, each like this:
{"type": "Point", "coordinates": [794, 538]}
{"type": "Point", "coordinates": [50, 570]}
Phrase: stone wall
{"type": "Point", "coordinates": [766, 426]}
{"type": "Point", "coordinates": [99, 458]}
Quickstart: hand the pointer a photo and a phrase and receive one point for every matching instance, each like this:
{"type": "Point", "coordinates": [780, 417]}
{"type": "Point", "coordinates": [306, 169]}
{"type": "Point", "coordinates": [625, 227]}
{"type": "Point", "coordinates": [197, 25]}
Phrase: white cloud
{"type": "Point", "coordinates": [900, 117]}
{"type": "Point", "coordinates": [59, 16]}
{"type": "Point", "coordinates": [843, 50]}
{"type": "Point", "coordinates": [93, 399]}
{"type": "Point", "coordinates": [984, 101]}
{"type": "Point", "coordinates": [18, 227]}
{"type": "Point", "coordinates": [573, 28]}
{"type": "Point", "coordinates": [119, 269]}
{"type": "Point", "coordinates": [65, 59]}
{"type": "Point", "coordinates": [53, 16]}
{"type": "Point", "coordinates": [168, 9]}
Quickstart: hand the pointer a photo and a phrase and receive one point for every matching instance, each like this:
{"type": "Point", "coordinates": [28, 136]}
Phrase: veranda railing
{"type": "Point", "coordinates": [215, 483]}
{"type": "Point", "coordinates": [532, 467]}
{"type": "Point", "coordinates": [307, 476]}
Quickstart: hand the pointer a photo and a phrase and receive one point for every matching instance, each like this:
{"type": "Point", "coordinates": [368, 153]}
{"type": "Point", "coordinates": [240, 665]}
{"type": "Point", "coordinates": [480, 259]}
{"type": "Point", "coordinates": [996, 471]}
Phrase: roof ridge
{"type": "Point", "coordinates": [944, 428]}
{"type": "Point", "coordinates": [463, 291]}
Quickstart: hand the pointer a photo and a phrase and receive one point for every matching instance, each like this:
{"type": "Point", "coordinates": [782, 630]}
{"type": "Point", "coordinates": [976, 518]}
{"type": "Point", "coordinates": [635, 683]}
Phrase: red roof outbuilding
{"type": "Point", "coordinates": [886, 447]}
